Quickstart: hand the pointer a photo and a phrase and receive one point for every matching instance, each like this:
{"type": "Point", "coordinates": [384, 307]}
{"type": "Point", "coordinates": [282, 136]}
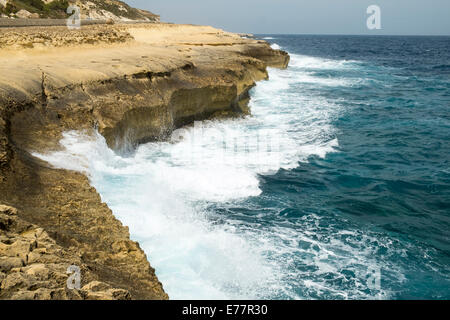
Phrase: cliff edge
{"type": "Point", "coordinates": [132, 83]}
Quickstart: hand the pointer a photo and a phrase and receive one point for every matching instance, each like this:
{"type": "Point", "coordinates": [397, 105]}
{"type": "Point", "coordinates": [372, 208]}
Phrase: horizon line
{"type": "Point", "coordinates": [352, 34]}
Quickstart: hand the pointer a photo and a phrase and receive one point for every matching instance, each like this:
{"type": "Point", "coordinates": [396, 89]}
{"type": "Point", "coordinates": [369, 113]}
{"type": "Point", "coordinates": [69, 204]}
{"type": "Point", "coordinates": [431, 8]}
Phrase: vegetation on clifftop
{"type": "Point", "coordinates": [89, 8]}
{"type": "Point", "coordinates": [55, 9]}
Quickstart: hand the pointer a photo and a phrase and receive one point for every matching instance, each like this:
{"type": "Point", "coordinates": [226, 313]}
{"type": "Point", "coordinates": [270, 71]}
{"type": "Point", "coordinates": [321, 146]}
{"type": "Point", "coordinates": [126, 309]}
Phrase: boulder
{"type": "Point", "coordinates": [97, 290]}
{"type": "Point", "coordinates": [24, 14]}
{"type": "Point", "coordinates": [8, 263]}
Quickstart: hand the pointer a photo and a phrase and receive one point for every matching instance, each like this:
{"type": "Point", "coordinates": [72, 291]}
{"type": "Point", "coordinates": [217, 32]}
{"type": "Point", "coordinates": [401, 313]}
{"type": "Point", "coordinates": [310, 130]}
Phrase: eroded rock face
{"type": "Point", "coordinates": [164, 77]}
{"type": "Point", "coordinates": [34, 267]}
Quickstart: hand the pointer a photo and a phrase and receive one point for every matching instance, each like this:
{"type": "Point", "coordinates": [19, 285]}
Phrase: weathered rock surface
{"type": "Point", "coordinates": [21, 38]}
{"type": "Point", "coordinates": [33, 266]}
{"type": "Point", "coordinates": [162, 77]}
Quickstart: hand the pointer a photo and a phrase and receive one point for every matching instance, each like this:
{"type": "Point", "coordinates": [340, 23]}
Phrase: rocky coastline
{"type": "Point", "coordinates": [133, 83]}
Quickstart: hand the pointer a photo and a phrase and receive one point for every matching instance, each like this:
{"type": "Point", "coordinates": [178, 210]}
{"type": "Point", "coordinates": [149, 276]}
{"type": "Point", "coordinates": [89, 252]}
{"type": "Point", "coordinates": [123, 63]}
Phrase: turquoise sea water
{"type": "Point", "coordinates": [337, 186]}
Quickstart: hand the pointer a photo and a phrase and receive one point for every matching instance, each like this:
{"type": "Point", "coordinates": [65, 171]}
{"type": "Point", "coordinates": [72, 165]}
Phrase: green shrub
{"type": "Point", "coordinates": [9, 9]}
{"type": "Point", "coordinates": [58, 5]}
{"type": "Point", "coordinates": [38, 4]}
{"type": "Point", "coordinates": [55, 9]}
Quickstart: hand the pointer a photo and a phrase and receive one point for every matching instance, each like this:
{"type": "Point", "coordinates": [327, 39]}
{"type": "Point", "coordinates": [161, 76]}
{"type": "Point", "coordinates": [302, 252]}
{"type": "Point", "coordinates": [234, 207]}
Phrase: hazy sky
{"type": "Point", "coordinates": [405, 17]}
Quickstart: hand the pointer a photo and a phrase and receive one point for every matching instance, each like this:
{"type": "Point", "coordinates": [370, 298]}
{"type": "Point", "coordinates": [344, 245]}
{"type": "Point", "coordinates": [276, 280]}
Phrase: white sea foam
{"type": "Point", "coordinates": [308, 62]}
{"type": "Point", "coordinates": [164, 192]}
{"type": "Point", "coordinates": [275, 46]}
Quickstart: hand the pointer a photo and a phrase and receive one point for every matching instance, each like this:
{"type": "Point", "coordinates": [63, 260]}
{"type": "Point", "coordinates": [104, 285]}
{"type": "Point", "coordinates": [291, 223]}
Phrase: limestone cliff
{"type": "Point", "coordinates": [139, 88]}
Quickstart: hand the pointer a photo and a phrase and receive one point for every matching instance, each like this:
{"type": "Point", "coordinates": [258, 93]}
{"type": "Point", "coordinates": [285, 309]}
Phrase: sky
{"type": "Point", "coordinates": [398, 17]}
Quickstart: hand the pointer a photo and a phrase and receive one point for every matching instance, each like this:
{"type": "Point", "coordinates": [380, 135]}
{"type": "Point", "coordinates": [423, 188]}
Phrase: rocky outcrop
{"type": "Point", "coordinates": [33, 266]}
{"type": "Point", "coordinates": [113, 9]}
{"type": "Point", "coordinates": [24, 14]}
{"type": "Point", "coordinates": [161, 78]}
{"type": "Point", "coordinates": [273, 58]}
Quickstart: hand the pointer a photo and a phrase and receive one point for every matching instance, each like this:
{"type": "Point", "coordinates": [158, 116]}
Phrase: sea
{"type": "Point", "coordinates": [337, 186]}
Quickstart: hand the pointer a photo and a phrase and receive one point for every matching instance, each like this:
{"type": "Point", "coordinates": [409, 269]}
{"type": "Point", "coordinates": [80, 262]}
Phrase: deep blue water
{"type": "Point", "coordinates": [391, 175]}
{"type": "Point", "coordinates": [337, 186]}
